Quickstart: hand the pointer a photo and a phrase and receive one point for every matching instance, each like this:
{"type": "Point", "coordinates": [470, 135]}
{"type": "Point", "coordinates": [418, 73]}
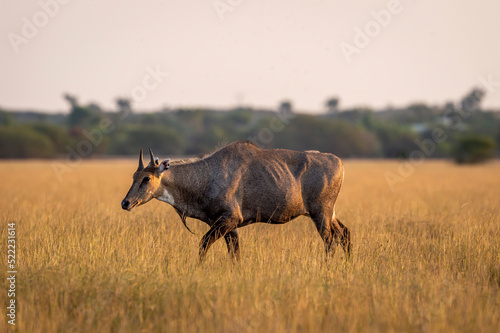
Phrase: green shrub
{"type": "Point", "coordinates": [24, 142]}
{"type": "Point", "coordinates": [474, 149]}
{"type": "Point", "coordinates": [57, 135]}
{"type": "Point", "coordinates": [337, 136]}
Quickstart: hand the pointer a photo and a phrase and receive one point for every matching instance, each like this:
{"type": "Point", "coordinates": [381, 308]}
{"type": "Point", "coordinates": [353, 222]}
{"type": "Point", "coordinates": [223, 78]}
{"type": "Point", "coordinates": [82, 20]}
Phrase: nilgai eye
{"type": "Point", "coordinates": [146, 179]}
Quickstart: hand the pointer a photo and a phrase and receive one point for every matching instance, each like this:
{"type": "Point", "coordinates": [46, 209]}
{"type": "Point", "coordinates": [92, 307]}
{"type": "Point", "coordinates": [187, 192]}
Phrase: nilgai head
{"type": "Point", "coordinates": [146, 181]}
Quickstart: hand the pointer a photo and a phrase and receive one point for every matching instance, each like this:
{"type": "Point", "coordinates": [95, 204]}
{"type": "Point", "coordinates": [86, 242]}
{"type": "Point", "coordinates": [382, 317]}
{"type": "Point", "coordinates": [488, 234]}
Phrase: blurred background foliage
{"type": "Point", "coordinates": [472, 134]}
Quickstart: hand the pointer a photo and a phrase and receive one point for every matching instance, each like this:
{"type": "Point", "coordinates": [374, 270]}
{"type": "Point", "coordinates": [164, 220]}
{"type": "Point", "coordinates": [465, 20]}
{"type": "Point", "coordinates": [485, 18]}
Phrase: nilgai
{"type": "Point", "coordinates": [241, 184]}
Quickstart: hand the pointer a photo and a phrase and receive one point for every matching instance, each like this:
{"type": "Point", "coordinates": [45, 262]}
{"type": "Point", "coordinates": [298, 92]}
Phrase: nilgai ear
{"type": "Point", "coordinates": [164, 165]}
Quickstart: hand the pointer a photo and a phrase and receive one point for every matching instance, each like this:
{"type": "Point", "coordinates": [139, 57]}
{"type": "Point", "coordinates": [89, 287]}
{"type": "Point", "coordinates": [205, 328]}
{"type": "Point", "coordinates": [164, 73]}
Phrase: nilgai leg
{"type": "Point", "coordinates": [219, 229]}
{"type": "Point", "coordinates": [233, 246]}
{"type": "Point", "coordinates": [333, 232]}
{"type": "Point", "coordinates": [343, 236]}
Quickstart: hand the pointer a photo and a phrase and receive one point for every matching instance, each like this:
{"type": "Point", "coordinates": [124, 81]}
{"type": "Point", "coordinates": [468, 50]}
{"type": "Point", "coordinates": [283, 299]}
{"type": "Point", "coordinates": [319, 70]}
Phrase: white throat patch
{"type": "Point", "coordinates": [166, 197]}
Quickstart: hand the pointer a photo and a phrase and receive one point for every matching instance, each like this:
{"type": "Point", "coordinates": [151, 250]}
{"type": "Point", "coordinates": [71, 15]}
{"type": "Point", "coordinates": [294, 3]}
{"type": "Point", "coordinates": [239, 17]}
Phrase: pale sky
{"type": "Point", "coordinates": [256, 52]}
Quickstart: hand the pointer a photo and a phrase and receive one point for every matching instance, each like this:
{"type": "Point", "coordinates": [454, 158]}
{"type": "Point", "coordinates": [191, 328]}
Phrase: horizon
{"type": "Point", "coordinates": [251, 108]}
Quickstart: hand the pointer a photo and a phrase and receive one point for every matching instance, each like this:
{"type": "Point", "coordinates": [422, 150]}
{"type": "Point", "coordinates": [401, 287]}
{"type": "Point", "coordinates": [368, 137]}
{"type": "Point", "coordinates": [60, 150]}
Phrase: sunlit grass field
{"type": "Point", "coordinates": [426, 257]}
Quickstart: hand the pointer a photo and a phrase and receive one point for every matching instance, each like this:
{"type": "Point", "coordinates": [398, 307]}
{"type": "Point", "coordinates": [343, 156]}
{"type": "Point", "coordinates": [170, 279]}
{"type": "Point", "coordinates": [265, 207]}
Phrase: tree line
{"type": "Point", "coordinates": [462, 130]}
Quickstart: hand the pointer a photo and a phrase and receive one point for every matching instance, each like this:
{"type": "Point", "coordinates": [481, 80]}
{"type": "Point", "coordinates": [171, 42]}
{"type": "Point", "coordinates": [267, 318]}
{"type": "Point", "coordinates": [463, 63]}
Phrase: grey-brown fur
{"type": "Point", "coordinates": [242, 184]}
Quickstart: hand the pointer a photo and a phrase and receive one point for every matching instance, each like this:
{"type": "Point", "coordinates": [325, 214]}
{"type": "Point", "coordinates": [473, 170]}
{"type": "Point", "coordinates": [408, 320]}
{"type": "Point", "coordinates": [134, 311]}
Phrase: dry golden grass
{"type": "Point", "coordinates": [426, 257]}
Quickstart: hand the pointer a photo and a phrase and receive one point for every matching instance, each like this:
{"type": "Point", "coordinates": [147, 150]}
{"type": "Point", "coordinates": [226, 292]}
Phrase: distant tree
{"type": "Point", "coordinates": [56, 134]}
{"type": "Point", "coordinates": [307, 132]}
{"type": "Point", "coordinates": [124, 105]}
{"type": "Point", "coordinates": [497, 137]}
{"type": "Point", "coordinates": [474, 149]}
{"type": "Point", "coordinates": [239, 117]}
{"type": "Point", "coordinates": [24, 142]}
{"type": "Point", "coordinates": [163, 141]}
{"type": "Point", "coordinates": [396, 141]}
{"type": "Point", "coordinates": [472, 101]}
{"type": "Point", "coordinates": [5, 118]}
{"type": "Point", "coordinates": [286, 106]}
{"type": "Point", "coordinates": [449, 107]}
{"type": "Point", "coordinates": [72, 100]}
{"type": "Point", "coordinates": [94, 108]}
{"type": "Point", "coordinates": [362, 116]}
{"type": "Point", "coordinates": [82, 116]}
{"type": "Point", "coordinates": [332, 105]}
{"type": "Point", "coordinates": [79, 116]}
{"type": "Point", "coordinates": [418, 113]}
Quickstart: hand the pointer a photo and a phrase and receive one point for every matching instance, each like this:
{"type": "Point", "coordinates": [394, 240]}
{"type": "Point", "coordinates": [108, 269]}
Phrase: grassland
{"type": "Point", "coordinates": [426, 257]}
